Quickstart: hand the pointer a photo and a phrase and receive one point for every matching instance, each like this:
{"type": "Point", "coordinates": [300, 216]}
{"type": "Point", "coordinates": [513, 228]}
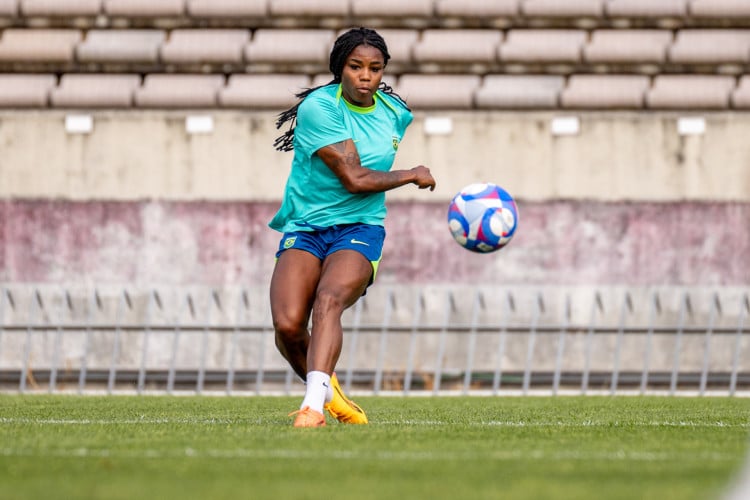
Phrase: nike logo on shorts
{"type": "Point", "coordinates": [357, 242]}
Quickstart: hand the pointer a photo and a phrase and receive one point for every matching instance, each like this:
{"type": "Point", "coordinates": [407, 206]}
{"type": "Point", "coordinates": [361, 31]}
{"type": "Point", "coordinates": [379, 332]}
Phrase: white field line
{"type": "Point", "coordinates": [416, 423]}
{"type": "Point", "coordinates": [366, 455]}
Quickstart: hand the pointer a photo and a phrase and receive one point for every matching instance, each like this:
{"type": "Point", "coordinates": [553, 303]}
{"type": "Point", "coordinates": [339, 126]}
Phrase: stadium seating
{"type": "Point", "coordinates": [438, 91]}
{"type": "Point", "coordinates": [290, 49]}
{"type": "Point", "coordinates": [197, 46]}
{"type": "Point", "coordinates": [44, 46]}
{"type": "Point", "coordinates": [131, 46]}
{"type": "Point", "coordinates": [634, 46]}
{"type": "Point", "coordinates": [400, 47]}
{"type": "Point", "coordinates": [313, 8]}
{"type": "Point", "coordinates": [542, 46]}
{"type": "Point", "coordinates": [179, 91]}
{"type": "Point", "coordinates": [519, 91]}
{"type": "Point", "coordinates": [741, 95]}
{"type": "Point", "coordinates": [143, 8]}
{"type": "Point", "coordinates": [22, 90]}
{"type": "Point", "coordinates": [569, 8]}
{"type": "Point", "coordinates": [227, 9]}
{"type": "Point", "coordinates": [262, 91]}
{"type": "Point", "coordinates": [719, 9]}
{"type": "Point", "coordinates": [646, 8]}
{"type": "Point", "coordinates": [711, 47]}
{"type": "Point", "coordinates": [95, 91]}
{"type": "Point", "coordinates": [419, 9]}
{"type": "Point", "coordinates": [690, 92]}
{"type": "Point", "coordinates": [478, 9]}
{"type": "Point", "coordinates": [61, 9]}
{"type": "Point", "coordinates": [605, 91]}
{"type": "Point", "coordinates": [493, 49]}
{"type": "Point", "coordinates": [8, 9]}
{"type": "Point", "coordinates": [463, 46]}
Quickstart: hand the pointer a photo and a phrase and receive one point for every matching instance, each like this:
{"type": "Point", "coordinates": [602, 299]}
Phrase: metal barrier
{"type": "Point", "coordinates": [398, 340]}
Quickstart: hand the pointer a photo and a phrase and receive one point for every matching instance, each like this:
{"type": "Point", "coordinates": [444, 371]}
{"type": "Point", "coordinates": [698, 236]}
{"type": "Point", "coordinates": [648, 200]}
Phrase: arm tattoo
{"type": "Point", "coordinates": [339, 146]}
{"type": "Point", "coordinates": [351, 160]}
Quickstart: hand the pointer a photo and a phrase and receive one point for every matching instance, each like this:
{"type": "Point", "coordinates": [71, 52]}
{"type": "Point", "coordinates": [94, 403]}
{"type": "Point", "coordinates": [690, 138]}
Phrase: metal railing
{"type": "Point", "coordinates": [398, 339]}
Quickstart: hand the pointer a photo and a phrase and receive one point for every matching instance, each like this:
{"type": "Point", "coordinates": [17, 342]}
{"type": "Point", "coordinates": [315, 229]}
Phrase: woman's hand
{"type": "Point", "coordinates": [424, 178]}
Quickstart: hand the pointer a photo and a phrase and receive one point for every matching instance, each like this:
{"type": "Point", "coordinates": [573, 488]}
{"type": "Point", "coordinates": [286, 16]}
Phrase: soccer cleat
{"type": "Point", "coordinates": [307, 417]}
{"type": "Point", "coordinates": [343, 409]}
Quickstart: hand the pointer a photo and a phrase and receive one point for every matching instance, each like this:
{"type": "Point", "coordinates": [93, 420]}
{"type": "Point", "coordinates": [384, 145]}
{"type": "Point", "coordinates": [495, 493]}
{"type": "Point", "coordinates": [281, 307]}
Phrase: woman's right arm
{"type": "Point", "coordinates": [343, 159]}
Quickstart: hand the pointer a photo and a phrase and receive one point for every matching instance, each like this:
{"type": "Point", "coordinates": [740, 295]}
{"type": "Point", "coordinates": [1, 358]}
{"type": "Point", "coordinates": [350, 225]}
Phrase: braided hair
{"type": "Point", "coordinates": [342, 47]}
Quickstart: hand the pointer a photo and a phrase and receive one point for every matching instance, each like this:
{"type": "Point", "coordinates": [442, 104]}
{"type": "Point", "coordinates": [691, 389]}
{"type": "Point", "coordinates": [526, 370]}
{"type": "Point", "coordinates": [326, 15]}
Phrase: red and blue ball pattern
{"type": "Point", "coordinates": [483, 217]}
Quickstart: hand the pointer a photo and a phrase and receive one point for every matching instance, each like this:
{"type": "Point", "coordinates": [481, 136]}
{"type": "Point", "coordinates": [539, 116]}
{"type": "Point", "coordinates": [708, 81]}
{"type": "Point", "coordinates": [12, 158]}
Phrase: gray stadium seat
{"type": "Point", "coordinates": [21, 90]}
{"type": "Point", "coordinates": [646, 8]}
{"type": "Point", "coordinates": [95, 91]}
{"type": "Point", "coordinates": [392, 8]}
{"type": "Point", "coordinates": [9, 8]}
{"type": "Point", "coordinates": [38, 45]}
{"type": "Point", "coordinates": [627, 46]}
{"type": "Point", "coordinates": [477, 8]}
{"type": "Point", "coordinates": [60, 8]}
{"type": "Point", "coordinates": [726, 9]}
{"type": "Point", "coordinates": [325, 78]}
{"type": "Point", "coordinates": [566, 8]}
{"type": "Point", "coordinates": [711, 46]}
{"type": "Point", "coordinates": [438, 91]}
{"type": "Point", "coordinates": [460, 45]}
{"type": "Point", "coordinates": [262, 91]}
{"type": "Point", "coordinates": [121, 45]}
{"type": "Point", "coordinates": [143, 8]}
{"type": "Point", "coordinates": [532, 45]}
{"type": "Point", "coordinates": [690, 91]}
{"type": "Point", "coordinates": [290, 45]}
{"type": "Point", "coordinates": [605, 91]}
{"type": "Point", "coordinates": [205, 46]}
{"type": "Point", "coordinates": [741, 95]}
{"type": "Point", "coordinates": [519, 91]}
{"type": "Point", "coordinates": [400, 45]}
{"type": "Point", "coordinates": [312, 8]}
{"type": "Point", "coordinates": [179, 91]}
{"type": "Point", "coordinates": [227, 8]}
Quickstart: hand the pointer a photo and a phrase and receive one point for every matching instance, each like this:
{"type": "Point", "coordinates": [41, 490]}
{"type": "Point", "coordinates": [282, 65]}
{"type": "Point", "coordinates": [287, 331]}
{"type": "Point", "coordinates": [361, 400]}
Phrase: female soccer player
{"type": "Point", "coordinates": [344, 135]}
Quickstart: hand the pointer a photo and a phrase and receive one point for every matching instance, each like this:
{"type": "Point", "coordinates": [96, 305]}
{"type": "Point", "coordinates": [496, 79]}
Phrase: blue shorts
{"type": "Point", "coordinates": [366, 239]}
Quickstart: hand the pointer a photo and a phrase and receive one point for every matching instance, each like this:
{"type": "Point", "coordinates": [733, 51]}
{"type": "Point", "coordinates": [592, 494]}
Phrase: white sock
{"type": "Point", "coordinates": [329, 393]}
{"type": "Point", "coordinates": [318, 384]}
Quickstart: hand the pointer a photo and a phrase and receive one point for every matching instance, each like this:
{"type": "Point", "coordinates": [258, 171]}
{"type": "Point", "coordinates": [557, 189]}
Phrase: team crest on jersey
{"type": "Point", "coordinates": [395, 143]}
{"type": "Point", "coordinates": [289, 242]}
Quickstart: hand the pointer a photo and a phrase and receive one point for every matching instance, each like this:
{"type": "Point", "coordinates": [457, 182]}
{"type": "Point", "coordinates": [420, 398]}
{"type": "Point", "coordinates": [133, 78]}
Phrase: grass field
{"type": "Point", "coordinates": [450, 447]}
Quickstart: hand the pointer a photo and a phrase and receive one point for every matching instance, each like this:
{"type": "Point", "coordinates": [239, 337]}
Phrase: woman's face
{"type": "Point", "coordinates": [361, 75]}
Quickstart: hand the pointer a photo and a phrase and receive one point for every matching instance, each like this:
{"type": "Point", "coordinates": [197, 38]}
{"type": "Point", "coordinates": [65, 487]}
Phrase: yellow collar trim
{"type": "Point", "coordinates": [354, 107]}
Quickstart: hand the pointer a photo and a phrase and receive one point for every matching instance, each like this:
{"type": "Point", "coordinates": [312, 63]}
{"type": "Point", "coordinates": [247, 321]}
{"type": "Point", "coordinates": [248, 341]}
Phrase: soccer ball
{"type": "Point", "coordinates": [483, 217]}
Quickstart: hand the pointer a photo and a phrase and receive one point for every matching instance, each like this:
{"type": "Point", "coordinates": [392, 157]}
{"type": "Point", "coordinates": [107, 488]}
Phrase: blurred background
{"type": "Point", "coordinates": [136, 157]}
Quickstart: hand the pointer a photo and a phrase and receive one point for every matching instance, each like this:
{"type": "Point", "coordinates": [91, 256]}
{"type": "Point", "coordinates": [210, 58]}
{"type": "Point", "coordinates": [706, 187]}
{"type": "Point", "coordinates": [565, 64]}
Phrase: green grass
{"type": "Point", "coordinates": [468, 447]}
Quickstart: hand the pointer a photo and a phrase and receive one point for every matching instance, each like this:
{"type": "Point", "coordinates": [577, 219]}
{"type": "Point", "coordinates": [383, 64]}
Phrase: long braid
{"type": "Point", "coordinates": [343, 46]}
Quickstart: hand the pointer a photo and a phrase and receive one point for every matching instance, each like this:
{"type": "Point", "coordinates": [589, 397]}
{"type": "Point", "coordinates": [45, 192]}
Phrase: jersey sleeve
{"type": "Point", "coordinates": [320, 122]}
{"type": "Point", "coordinates": [404, 116]}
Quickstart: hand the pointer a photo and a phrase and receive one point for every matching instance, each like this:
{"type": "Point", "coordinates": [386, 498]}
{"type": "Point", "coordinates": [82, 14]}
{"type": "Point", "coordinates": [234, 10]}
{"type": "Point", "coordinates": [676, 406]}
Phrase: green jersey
{"type": "Point", "coordinates": [314, 197]}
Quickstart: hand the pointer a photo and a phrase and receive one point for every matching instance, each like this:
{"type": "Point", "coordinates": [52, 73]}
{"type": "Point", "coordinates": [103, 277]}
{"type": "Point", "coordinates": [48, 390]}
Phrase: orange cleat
{"type": "Point", "coordinates": [307, 417]}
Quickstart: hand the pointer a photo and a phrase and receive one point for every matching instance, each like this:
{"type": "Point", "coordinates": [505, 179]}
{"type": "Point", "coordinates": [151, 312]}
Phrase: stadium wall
{"type": "Point", "coordinates": [228, 243]}
{"type": "Point", "coordinates": [629, 199]}
{"type": "Point", "coordinates": [150, 154]}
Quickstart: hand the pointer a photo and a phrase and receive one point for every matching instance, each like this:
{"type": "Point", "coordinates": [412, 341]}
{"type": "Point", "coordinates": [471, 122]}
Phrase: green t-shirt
{"type": "Point", "coordinates": [314, 197]}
